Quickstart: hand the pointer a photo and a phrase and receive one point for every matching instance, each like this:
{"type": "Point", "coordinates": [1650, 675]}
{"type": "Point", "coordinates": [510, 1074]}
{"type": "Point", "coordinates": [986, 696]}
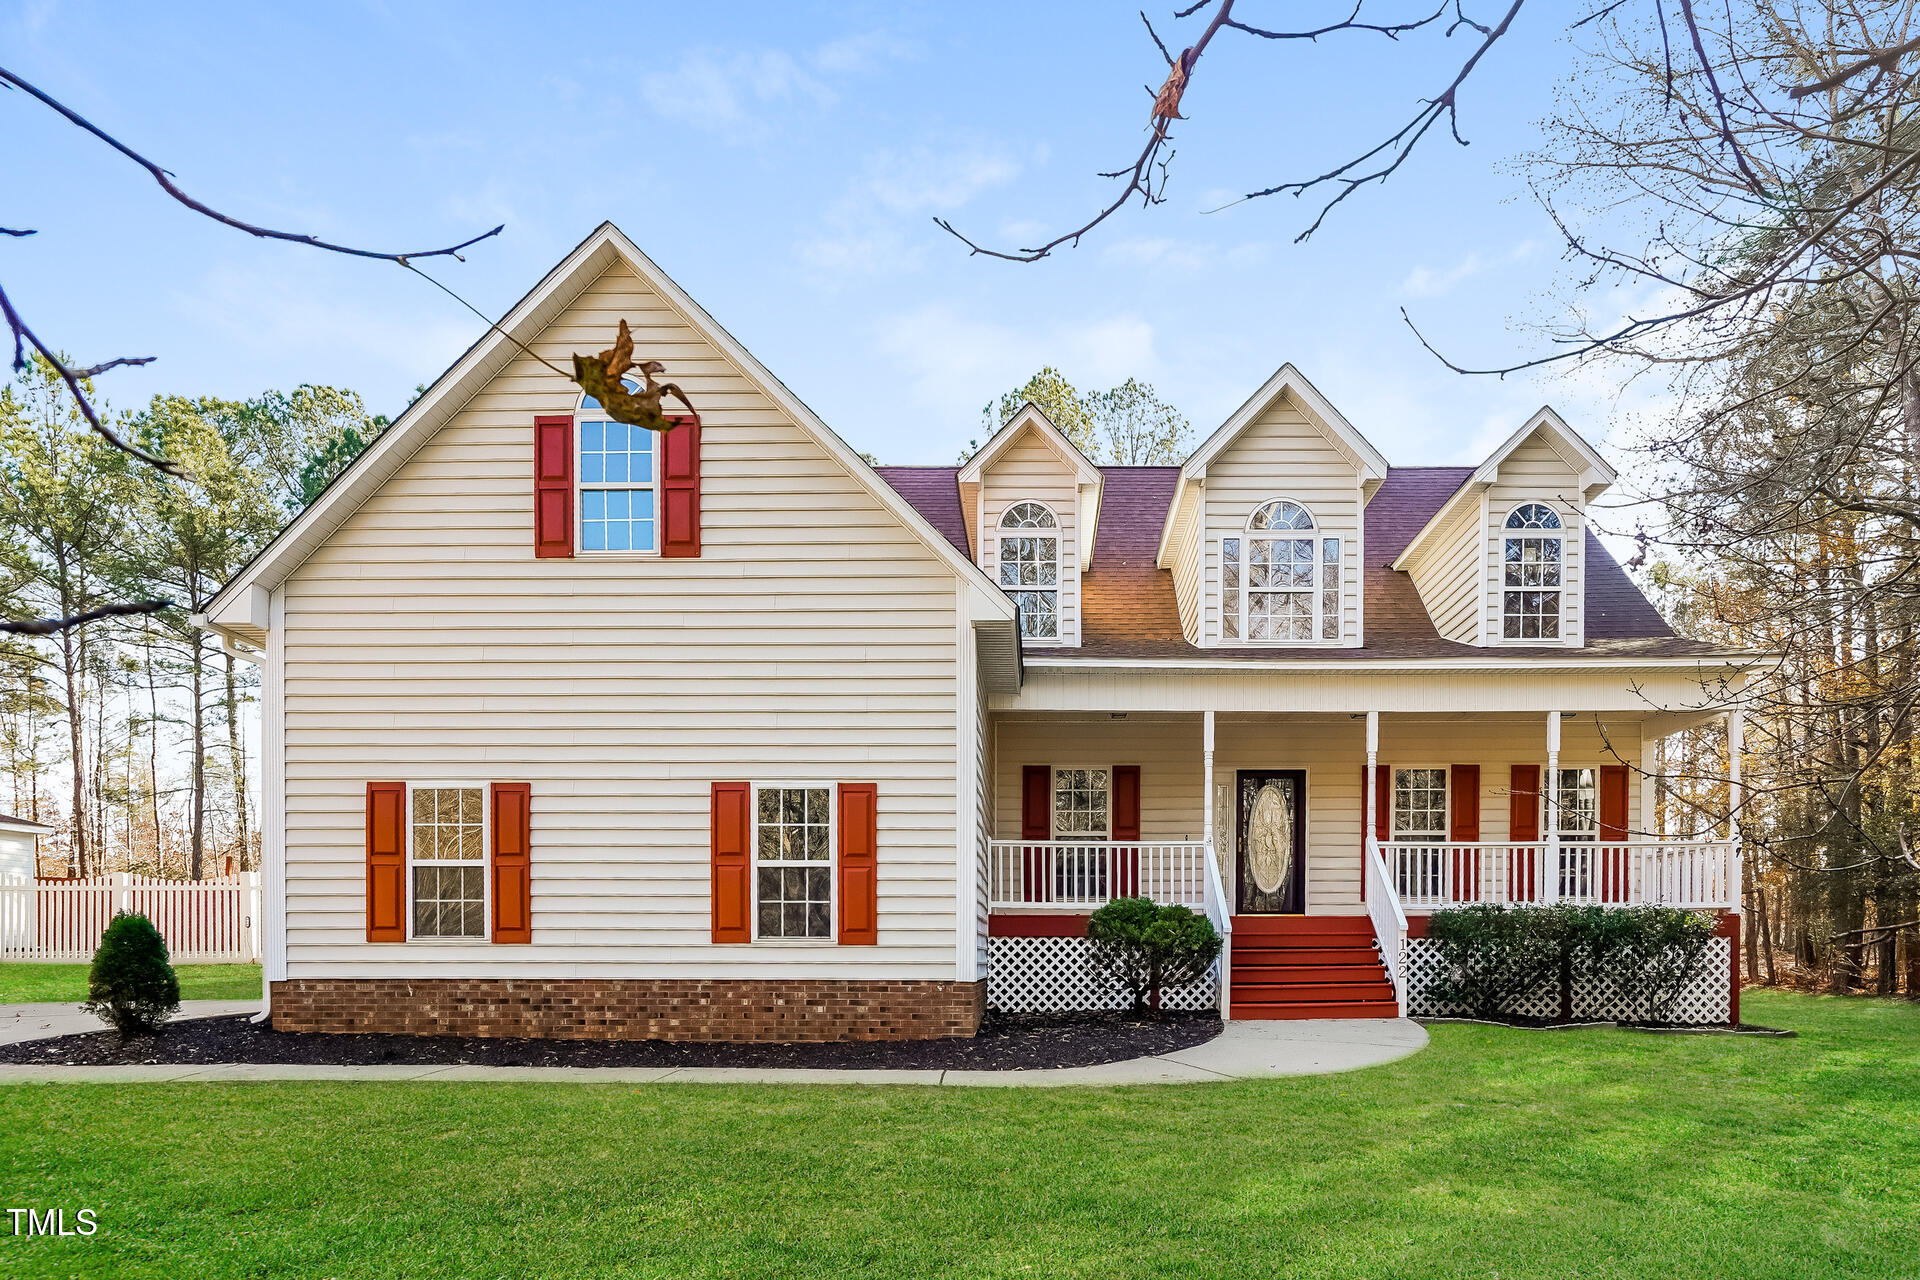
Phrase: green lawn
{"type": "Point", "coordinates": [1494, 1153]}
{"type": "Point", "coordinates": [67, 984]}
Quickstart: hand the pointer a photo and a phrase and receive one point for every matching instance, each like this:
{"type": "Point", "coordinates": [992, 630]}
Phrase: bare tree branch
{"type": "Point", "coordinates": [53, 626]}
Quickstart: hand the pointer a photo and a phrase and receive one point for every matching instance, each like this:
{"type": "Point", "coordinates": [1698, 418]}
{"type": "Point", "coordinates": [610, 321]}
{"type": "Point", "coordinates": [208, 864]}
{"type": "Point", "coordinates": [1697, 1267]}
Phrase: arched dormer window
{"type": "Point", "coordinates": [1280, 581]}
{"type": "Point", "coordinates": [1531, 556]}
{"type": "Point", "coordinates": [618, 481]}
{"type": "Point", "coordinates": [1030, 567]}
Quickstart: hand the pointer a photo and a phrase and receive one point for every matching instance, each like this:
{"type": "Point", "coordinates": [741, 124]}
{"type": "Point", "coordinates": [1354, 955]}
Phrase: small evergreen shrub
{"type": "Point", "coordinates": [1652, 955]}
{"type": "Point", "coordinates": [132, 985]}
{"type": "Point", "coordinates": [1146, 949]}
{"type": "Point", "coordinates": [1495, 956]}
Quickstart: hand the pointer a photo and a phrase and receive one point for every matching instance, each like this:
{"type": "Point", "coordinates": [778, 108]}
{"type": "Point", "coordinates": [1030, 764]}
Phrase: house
{"type": "Point", "coordinates": [572, 730]}
{"type": "Point", "coordinates": [20, 847]}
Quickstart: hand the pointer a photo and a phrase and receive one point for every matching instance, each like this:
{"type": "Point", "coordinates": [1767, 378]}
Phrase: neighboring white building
{"type": "Point", "coordinates": [20, 847]}
{"type": "Point", "coordinates": [575, 730]}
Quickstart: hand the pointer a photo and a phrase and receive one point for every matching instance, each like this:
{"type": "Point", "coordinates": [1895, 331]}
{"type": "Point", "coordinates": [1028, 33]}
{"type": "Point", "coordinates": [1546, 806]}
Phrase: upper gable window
{"type": "Point", "coordinates": [1030, 567]}
{"type": "Point", "coordinates": [1531, 558]}
{"type": "Point", "coordinates": [1284, 582]}
{"type": "Point", "coordinates": [619, 479]}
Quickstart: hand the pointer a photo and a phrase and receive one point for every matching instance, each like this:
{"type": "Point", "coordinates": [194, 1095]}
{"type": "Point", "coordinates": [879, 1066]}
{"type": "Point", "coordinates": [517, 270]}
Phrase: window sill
{"type": "Point", "coordinates": [616, 555]}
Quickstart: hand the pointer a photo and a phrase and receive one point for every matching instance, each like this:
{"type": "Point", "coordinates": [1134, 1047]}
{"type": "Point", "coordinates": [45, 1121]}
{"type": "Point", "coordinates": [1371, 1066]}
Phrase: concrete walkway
{"type": "Point", "coordinates": [20, 1022]}
{"type": "Point", "coordinates": [1243, 1051]}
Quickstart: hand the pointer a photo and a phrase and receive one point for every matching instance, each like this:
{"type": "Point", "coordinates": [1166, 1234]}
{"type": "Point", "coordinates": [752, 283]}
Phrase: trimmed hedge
{"type": "Point", "coordinates": [1146, 949]}
{"type": "Point", "coordinates": [1495, 956]}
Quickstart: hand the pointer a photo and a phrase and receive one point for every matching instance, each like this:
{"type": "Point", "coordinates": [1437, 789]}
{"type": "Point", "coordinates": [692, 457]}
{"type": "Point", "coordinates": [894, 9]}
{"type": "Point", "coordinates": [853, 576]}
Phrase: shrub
{"type": "Point", "coordinates": [1494, 956]}
{"type": "Point", "coordinates": [1145, 949]}
{"type": "Point", "coordinates": [132, 985]}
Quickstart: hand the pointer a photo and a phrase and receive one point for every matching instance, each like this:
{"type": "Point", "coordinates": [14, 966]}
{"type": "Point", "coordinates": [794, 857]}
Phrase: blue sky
{"type": "Point", "coordinates": [784, 163]}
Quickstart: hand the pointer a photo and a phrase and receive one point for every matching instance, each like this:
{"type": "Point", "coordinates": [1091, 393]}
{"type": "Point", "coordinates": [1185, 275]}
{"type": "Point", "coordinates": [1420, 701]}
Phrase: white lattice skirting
{"type": "Point", "coordinates": [1052, 975]}
{"type": "Point", "coordinates": [1706, 1000]}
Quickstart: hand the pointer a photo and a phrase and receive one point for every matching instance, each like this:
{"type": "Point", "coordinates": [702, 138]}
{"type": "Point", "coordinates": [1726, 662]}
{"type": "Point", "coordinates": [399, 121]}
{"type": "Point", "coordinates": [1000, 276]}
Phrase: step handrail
{"type": "Point", "coordinates": [1389, 921]}
{"type": "Point", "coordinates": [1221, 917]}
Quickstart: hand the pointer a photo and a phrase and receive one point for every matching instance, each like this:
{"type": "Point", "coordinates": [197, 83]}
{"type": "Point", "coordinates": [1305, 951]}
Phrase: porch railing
{"type": "Point", "coordinates": [1088, 874]}
{"type": "Point", "coordinates": [1677, 873]}
{"type": "Point", "coordinates": [1220, 912]}
{"type": "Point", "coordinates": [1389, 922]}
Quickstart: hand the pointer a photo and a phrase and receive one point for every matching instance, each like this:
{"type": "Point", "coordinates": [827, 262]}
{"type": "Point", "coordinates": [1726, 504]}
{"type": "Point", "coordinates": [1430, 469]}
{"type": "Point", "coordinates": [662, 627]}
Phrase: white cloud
{"type": "Point", "coordinates": [735, 94]}
{"type": "Point", "coordinates": [880, 225]}
{"type": "Point", "coordinates": [1430, 282]}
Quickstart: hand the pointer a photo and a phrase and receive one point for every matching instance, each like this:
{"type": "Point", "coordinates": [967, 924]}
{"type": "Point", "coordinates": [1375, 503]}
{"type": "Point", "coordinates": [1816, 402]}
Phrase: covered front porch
{"type": "Point", "coordinates": [1320, 881]}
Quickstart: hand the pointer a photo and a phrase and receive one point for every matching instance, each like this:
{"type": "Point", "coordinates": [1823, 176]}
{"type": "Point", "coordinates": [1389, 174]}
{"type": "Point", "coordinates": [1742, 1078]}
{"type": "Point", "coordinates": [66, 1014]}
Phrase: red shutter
{"type": "Point", "coordinates": [1464, 827]}
{"type": "Point", "coordinates": [732, 829]}
{"type": "Point", "coordinates": [680, 489]}
{"type": "Point", "coordinates": [859, 864]}
{"type": "Point", "coordinates": [1523, 825]}
{"type": "Point", "coordinates": [1382, 813]}
{"type": "Point", "coordinates": [1613, 802]}
{"type": "Point", "coordinates": [512, 867]}
{"type": "Point", "coordinates": [1036, 823]}
{"type": "Point", "coordinates": [553, 486]}
{"type": "Point", "coordinates": [386, 862]}
{"type": "Point", "coordinates": [1126, 826]}
{"type": "Point", "coordinates": [1613, 827]}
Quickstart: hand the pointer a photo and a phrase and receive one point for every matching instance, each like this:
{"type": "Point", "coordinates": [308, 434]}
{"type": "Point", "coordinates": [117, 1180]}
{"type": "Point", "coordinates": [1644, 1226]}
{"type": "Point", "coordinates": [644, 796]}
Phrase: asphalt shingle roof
{"type": "Point", "coordinates": [1128, 607]}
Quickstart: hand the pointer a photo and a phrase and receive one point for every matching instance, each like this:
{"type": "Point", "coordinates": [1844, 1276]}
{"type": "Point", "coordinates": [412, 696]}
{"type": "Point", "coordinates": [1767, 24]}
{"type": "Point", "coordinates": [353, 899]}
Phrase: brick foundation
{"type": "Point", "coordinates": [632, 1009]}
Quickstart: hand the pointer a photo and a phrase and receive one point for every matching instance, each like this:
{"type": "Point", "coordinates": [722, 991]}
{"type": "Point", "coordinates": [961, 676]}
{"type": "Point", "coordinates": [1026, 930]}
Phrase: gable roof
{"type": "Point", "coordinates": [1368, 461]}
{"type": "Point", "coordinates": [239, 608]}
{"type": "Point", "coordinates": [1592, 473]}
{"type": "Point", "coordinates": [1031, 418]}
{"type": "Point", "coordinates": [1128, 610]}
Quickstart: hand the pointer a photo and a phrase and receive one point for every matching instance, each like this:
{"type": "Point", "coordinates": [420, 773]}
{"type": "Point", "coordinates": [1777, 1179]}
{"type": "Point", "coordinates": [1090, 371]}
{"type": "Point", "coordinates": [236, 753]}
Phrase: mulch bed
{"type": "Point", "coordinates": [1026, 1042]}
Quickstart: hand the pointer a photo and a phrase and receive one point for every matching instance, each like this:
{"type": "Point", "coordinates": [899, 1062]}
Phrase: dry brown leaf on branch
{"type": "Point", "coordinates": [600, 376]}
{"type": "Point", "coordinates": [1166, 103]}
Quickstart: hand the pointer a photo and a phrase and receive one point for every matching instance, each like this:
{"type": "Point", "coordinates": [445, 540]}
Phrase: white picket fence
{"type": "Point", "coordinates": [203, 921]}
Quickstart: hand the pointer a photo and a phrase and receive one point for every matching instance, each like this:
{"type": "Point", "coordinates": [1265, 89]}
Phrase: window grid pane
{"type": "Point", "coordinates": [793, 850]}
{"type": "Point", "coordinates": [1577, 803]}
{"type": "Point", "coordinates": [1530, 601]}
{"type": "Point", "coordinates": [449, 857]}
{"type": "Point", "coordinates": [616, 476]}
{"type": "Point", "coordinates": [1419, 804]}
{"type": "Point", "coordinates": [1330, 588]}
{"type": "Point", "coordinates": [1230, 588]}
{"type": "Point", "coordinates": [1080, 804]}
{"type": "Point", "coordinates": [1280, 583]}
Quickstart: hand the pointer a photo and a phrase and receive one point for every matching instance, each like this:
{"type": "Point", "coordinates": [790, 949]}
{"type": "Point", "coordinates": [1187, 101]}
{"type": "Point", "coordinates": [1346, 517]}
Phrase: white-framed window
{"type": "Point", "coordinates": [1576, 804]}
{"type": "Point", "coordinates": [1420, 804]}
{"type": "Point", "coordinates": [447, 860]}
{"type": "Point", "coordinates": [618, 479]}
{"type": "Point", "coordinates": [793, 860]}
{"type": "Point", "coordinates": [1531, 559]}
{"type": "Point", "coordinates": [1030, 567]}
{"type": "Point", "coordinates": [1082, 804]}
{"type": "Point", "coordinates": [1280, 581]}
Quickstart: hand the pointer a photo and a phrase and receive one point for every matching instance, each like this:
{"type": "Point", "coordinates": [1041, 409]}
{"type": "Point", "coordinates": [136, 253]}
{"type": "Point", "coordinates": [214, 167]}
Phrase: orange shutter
{"type": "Point", "coordinates": [680, 489]}
{"type": "Point", "coordinates": [512, 865]}
{"type": "Point", "coordinates": [553, 486]}
{"type": "Point", "coordinates": [859, 864]}
{"type": "Point", "coordinates": [732, 829]}
{"type": "Point", "coordinates": [386, 862]}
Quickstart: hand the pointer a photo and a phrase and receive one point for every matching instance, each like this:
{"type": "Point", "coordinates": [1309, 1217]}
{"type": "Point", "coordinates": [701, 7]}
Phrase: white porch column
{"type": "Point", "coordinates": [1206, 781]}
{"type": "Point", "coordinates": [1370, 785]}
{"type": "Point", "coordinates": [1649, 788]}
{"type": "Point", "coordinates": [1549, 786]}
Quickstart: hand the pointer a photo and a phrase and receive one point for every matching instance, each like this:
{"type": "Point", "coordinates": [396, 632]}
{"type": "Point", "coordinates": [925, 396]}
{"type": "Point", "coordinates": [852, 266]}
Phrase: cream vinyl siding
{"type": "Point", "coordinates": [813, 641]}
{"type": "Point", "coordinates": [984, 800]}
{"type": "Point", "coordinates": [1027, 470]}
{"type": "Point", "coordinates": [1533, 472]}
{"type": "Point", "coordinates": [1448, 575]}
{"type": "Point", "coordinates": [1332, 751]}
{"type": "Point", "coordinates": [1283, 455]}
{"type": "Point", "coordinates": [1189, 558]}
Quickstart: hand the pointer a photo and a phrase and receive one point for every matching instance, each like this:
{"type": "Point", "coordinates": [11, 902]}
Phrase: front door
{"type": "Point", "coordinates": [1272, 861]}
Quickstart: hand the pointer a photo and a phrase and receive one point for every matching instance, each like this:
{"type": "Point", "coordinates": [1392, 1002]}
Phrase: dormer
{"type": "Point", "coordinates": [1503, 561]}
{"type": "Point", "coordinates": [1264, 539]}
{"type": "Point", "coordinates": [1033, 501]}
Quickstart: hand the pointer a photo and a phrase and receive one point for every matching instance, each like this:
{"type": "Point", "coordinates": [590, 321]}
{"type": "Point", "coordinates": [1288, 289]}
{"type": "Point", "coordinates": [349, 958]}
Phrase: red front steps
{"type": "Point", "coordinates": [1308, 967]}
